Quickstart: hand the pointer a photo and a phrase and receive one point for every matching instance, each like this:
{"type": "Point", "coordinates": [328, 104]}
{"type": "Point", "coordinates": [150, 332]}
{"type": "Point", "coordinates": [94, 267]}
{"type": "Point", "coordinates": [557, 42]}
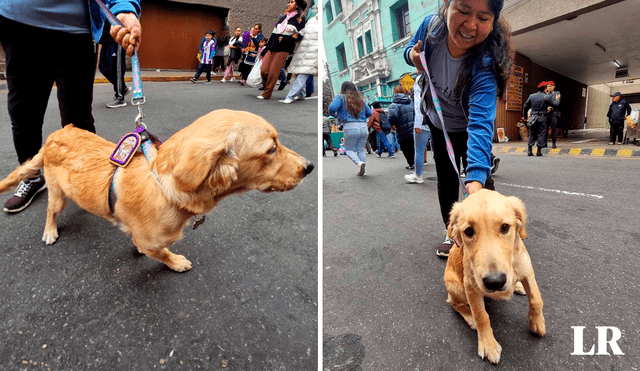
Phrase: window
{"type": "Point", "coordinates": [327, 9]}
{"type": "Point", "coordinates": [400, 13]}
{"type": "Point", "coordinates": [338, 7]}
{"type": "Point", "coordinates": [368, 42]}
{"type": "Point", "coordinates": [342, 57]}
{"type": "Point", "coordinates": [360, 47]}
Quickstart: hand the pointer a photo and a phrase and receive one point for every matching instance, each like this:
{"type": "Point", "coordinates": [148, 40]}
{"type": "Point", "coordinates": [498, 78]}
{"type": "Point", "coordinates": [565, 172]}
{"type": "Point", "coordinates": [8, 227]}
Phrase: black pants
{"type": "Point", "coordinates": [30, 80]}
{"type": "Point", "coordinates": [408, 149]}
{"type": "Point", "coordinates": [448, 184]}
{"type": "Point", "coordinates": [113, 56]}
{"type": "Point", "coordinates": [218, 61]}
{"type": "Point", "coordinates": [537, 133]}
{"type": "Point", "coordinates": [327, 136]}
{"type": "Point", "coordinates": [206, 68]}
{"type": "Point", "coordinates": [552, 123]}
{"type": "Point", "coordinates": [616, 130]}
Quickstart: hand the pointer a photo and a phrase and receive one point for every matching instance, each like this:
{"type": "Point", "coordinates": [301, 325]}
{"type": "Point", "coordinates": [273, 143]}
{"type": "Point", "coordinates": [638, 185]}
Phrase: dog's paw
{"type": "Point", "coordinates": [519, 289]}
{"type": "Point", "coordinates": [537, 325]}
{"type": "Point", "coordinates": [179, 263]}
{"type": "Point", "coordinates": [50, 236]}
{"type": "Point", "coordinates": [490, 349]}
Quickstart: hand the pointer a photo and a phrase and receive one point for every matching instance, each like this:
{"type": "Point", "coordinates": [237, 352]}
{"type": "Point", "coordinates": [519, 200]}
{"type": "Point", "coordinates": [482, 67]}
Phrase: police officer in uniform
{"type": "Point", "coordinates": [538, 103]}
{"type": "Point", "coordinates": [552, 112]}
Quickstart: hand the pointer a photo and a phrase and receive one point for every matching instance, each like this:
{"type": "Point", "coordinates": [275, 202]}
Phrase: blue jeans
{"type": "Point", "coordinates": [383, 143]}
{"type": "Point", "coordinates": [355, 138]}
{"type": "Point", "coordinates": [420, 145]}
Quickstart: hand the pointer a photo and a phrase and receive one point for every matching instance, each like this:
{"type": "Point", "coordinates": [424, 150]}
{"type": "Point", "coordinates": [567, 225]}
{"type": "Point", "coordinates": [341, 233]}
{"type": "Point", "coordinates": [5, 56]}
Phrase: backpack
{"type": "Point", "coordinates": [384, 122]}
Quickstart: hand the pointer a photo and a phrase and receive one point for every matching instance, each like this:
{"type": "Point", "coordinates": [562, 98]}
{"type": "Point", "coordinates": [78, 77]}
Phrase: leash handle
{"type": "Point", "coordinates": [436, 104]}
{"type": "Point", "coordinates": [138, 95]}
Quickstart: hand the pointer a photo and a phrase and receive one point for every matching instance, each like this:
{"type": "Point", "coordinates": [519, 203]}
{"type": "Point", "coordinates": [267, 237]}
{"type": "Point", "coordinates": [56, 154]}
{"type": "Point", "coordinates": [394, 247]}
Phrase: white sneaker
{"type": "Point", "coordinates": [233, 79]}
{"type": "Point", "coordinates": [285, 101]}
{"type": "Point", "coordinates": [260, 97]}
{"type": "Point", "coordinates": [223, 80]}
{"type": "Point", "coordinates": [413, 178]}
{"type": "Point", "coordinates": [361, 172]}
{"type": "Point", "coordinates": [298, 98]}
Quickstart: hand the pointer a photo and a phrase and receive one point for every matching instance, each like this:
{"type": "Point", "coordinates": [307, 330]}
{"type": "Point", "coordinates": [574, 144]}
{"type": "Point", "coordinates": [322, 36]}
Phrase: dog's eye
{"type": "Point", "coordinates": [469, 232]}
{"type": "Point", "coordinates": [504, 229]}
{"type": "Point", "coordinates": [272, 150]}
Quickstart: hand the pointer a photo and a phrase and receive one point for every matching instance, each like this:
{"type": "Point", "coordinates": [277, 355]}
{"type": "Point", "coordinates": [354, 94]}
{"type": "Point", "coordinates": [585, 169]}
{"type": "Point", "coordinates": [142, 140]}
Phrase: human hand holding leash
{"type": "Point", "coordinates": [128, 36]}
{"type": "Point", "coordinates": [414, 55]}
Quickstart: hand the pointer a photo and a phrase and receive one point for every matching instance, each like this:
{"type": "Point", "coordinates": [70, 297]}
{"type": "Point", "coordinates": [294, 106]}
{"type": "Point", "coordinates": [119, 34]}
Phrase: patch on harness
{"type": "Point", "coordinates": [125, 149]}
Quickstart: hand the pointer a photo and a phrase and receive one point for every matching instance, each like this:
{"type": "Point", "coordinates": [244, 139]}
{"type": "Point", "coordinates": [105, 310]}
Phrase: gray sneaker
{"type": "Point", "coordinates": [117, 104]}
{"type": "Point", "coordinates": [25, 193]}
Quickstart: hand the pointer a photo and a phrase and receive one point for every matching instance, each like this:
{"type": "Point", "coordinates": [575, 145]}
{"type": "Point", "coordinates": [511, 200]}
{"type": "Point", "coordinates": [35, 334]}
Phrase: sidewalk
{"type": "Point", "coordinates": [584, 142]}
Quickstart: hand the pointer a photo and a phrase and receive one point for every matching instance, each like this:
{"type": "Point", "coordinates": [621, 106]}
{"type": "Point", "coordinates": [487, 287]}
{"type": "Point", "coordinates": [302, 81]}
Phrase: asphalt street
{"type": "Point", "coordinates": [383, 292]}
{"type": "Point", "coordinates": [91, 302]}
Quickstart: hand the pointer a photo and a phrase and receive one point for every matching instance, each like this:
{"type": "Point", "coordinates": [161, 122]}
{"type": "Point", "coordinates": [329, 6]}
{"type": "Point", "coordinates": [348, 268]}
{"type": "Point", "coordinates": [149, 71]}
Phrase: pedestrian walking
{"type": "Point", "coordinates": [468, 53]}
{"type": "Point", "coordinates": [379, 122]}
{"type": "Point", "coordinates": [112, 65]}
{"type": "Point", "coordinates": [305, 62]}
{"type": "Point", "coordinates": [421, 135]}
{"type": "Point", "coordinates": [552, 113]}
{"type": "Point", "coordinates": [352, 113]}
{"type": "Point", "coordinates": [326, 137]}
{"type": "Point", "coordinates": [221, 45]}
{"type": "Point", "coordinates": [538, 102]}
{"type": "Point", "coordinates": [207, 52]}
{"type": "Point", "coordinates": [402, 116]}
{"type": "Point", "coordinates": [281, 43]}
{"type": "Point", "coordinates": [73, 27]}
{"type": "Point", "coordinates": [619, 109]}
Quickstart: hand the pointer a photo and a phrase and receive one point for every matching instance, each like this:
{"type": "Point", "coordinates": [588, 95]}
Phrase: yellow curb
{"type": "Point", "coordinates": [597, 152]}
{"type": "Point", "coordinates": [625, 152]}
{"type": "Point", "coordinates": [554, 151]}
{"type": "Point", "coordinates": [575, 151]}
{"type": "Point", "coordinates": [520, 150]}
{"type": "Point", "coordinates": [505, 149]}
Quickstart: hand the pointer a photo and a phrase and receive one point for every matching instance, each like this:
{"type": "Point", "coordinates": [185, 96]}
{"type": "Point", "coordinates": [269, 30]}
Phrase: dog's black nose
{"type": "Point", "coordinates": [309, 168]}
{"type": "Point", "coordinates": [494, 282]}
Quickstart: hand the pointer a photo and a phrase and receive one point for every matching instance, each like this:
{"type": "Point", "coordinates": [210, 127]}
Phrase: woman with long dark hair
{"type": "Point", "coordinates": [352, 113]}
{"type": "Point", "coordinates": [469, 57]}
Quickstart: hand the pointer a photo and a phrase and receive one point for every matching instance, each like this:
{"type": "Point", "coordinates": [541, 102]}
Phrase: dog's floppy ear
{"type": "Point", "coordinates": [452, 229]}
{"type": "Point", "coordinates": [201, 162]}
{"type": "Point", "coordinates": [521, 215]}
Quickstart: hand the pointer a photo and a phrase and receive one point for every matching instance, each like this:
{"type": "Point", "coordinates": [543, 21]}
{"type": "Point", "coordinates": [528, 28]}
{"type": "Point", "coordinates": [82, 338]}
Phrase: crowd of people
{"type": "Point", "coordinates": [291, 48]}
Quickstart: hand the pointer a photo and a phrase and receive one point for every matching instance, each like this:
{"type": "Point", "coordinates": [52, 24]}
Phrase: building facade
{"type": "Point", "coordinates": [365, 39]}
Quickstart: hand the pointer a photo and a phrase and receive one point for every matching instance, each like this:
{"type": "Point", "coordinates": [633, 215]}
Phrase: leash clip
{"type": "Point", "coordinates": [140, 118]}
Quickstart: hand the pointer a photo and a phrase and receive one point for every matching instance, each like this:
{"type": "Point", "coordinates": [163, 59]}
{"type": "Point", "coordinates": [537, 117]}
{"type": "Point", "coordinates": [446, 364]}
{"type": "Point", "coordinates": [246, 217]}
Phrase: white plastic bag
{"type": "Point", "coordinates": [255, 79]}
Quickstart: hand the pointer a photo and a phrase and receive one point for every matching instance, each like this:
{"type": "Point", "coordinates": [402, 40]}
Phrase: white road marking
{"type": "Point", "coordinates": [569, 193]}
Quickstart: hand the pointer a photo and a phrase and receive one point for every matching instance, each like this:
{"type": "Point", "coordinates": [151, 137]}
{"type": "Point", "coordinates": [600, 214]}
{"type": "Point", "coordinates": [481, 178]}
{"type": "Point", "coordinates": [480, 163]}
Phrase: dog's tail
{"type": "Point", "coordinates": [28, 169]}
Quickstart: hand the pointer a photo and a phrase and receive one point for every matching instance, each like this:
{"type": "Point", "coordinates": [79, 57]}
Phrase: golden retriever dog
{"type": "Point", "coordinates": [489, 259]}
{"type": "Point", "coordinates": [220, 154]}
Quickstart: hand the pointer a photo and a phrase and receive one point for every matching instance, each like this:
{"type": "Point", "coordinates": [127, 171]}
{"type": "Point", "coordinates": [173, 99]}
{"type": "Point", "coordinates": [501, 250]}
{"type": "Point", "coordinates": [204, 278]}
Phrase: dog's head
{"type": "Point", "coordinates": [489, 227]}
{"type": "Point", "coordinates": [226, 152]}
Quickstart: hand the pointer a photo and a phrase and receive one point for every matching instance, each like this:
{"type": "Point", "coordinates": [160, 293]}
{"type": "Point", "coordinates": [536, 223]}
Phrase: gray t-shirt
{"type": "Point", "coordinates": [444, 73]}
{"type": "Point", "coordinates": [67, 16]}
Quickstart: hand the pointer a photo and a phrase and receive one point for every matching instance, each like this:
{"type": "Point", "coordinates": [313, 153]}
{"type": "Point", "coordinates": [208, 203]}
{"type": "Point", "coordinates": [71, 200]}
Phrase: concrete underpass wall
{"type": "Point", "coordinates": [598, 106]}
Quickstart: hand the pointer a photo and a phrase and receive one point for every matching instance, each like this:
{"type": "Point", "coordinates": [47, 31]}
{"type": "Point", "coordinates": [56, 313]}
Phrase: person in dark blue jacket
{"type": "Point", "coordinates": [539, 103]}
{"type": "Point", "coordinates": [469, 56]}
{"type": "Point", "coordinates": [618, 110]}
{"type": "Point", "coordinates": [401, 115]}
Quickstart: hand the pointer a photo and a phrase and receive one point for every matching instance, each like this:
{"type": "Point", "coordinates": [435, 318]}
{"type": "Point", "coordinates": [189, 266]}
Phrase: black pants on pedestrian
{"type": "Point", "coordinates": [537, 132]}
{"type": "Point", "coordinates": [327, 136]}
{"type": "Point", "coordinates": [108, 65]}
{"type": "Point", "coordinates": [552, 123]}
{"type": "Point", "coordinates": [448, 183]}
{"type": "Point", "coordinates": [206, 68]}
{"type": "Point", "coordinates": [30, 79]}
{"type": "Point", "coordinates": [408, 149]}
{"type": "Point", "coordinates": [616, 130]}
